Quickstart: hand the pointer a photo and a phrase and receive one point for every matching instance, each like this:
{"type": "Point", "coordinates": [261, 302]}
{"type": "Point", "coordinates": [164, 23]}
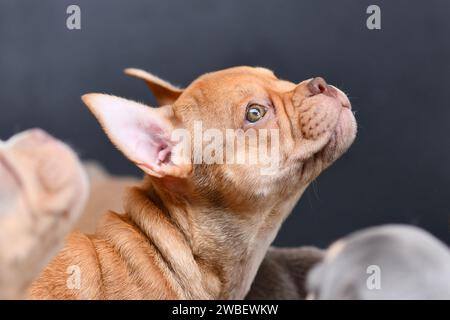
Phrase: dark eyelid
{"type": "Point", "coordinates": [255, 104]}
{"type": "Point", "coordinates": [265, 104]}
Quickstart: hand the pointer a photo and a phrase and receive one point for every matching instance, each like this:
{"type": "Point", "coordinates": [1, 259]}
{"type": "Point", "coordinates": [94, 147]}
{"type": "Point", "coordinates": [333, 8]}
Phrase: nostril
{"type": "Point", "coordinates": [317, 85]}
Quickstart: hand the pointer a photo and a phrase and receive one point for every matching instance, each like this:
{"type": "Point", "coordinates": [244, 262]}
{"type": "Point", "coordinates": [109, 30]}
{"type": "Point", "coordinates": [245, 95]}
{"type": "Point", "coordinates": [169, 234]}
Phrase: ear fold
{"type": "Point", "coordinates": [141, 133]}
{"type": "Point", "coordinates": [165, 93]}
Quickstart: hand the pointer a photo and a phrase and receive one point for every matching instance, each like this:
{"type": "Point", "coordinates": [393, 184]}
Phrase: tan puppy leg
{"type": "Point", "coordinates": [43, 188]}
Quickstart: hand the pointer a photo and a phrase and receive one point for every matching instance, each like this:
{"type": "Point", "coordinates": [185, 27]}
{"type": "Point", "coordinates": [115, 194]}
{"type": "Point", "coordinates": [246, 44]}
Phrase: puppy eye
{"type": "Point", "coordinates": [255, 112]}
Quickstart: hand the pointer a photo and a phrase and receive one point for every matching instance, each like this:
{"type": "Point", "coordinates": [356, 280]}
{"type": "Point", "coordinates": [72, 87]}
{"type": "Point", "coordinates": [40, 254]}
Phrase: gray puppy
{"type": "Point", "coordinates": [387, 262]}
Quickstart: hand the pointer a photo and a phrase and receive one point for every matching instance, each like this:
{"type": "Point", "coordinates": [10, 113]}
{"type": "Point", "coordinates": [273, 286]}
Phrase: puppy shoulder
{"type": "Point", "coordinates": [73, 274]}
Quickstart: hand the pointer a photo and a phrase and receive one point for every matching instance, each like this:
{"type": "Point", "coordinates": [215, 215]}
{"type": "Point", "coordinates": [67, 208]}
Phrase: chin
{"type": "Point", "coordinates": [342, 137]}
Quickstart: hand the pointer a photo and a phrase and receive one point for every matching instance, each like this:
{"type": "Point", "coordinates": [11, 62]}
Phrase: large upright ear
{"type": "Point", "coordinates": [165, 93]}
{"type": "Point", "coordinates": [143, 134]}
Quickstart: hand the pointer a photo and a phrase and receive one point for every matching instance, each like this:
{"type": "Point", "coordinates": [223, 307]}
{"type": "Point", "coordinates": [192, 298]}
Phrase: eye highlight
{"type": "Point", "coordinates": [255, 112]}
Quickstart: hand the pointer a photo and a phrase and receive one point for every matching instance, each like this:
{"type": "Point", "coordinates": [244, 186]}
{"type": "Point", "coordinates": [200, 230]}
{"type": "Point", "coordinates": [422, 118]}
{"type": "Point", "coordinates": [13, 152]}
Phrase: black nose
{"type": "Point", "coordinates": [317, 85]}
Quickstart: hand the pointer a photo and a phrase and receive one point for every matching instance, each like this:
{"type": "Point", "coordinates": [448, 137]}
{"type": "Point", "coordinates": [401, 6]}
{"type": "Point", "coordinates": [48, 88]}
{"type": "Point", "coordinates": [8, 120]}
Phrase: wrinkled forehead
{"type": "Point", "coordinates": [236, 83]}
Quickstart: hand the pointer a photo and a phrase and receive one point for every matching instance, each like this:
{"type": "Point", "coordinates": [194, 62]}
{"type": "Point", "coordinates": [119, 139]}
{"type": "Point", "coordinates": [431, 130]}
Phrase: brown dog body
{"type": "Point", "coordinates": [132, 256]}
{"type": "Point", "coordinates": [281, 275]}
{"type": "Point", "coordinates": [200, 230]}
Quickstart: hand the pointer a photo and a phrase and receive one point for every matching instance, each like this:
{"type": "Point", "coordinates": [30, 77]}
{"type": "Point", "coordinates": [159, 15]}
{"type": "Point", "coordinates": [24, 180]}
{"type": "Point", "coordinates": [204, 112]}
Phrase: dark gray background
{"type": "Point", "coordinates": [398, 170]}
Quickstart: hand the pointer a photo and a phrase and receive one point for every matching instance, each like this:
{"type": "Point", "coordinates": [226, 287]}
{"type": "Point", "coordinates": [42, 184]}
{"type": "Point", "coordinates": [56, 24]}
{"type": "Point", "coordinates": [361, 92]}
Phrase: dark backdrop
{"type": "Point", "coordinates": [398, 170]}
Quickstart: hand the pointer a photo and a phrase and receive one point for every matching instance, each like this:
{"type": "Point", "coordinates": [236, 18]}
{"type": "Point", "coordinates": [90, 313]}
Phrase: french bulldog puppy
{"type": "Point", "coordinates": [387, 262]}
{"type": "Point", "coordinates": [196, 228]}
{"type": "Point", "coordinates": [43, 188]}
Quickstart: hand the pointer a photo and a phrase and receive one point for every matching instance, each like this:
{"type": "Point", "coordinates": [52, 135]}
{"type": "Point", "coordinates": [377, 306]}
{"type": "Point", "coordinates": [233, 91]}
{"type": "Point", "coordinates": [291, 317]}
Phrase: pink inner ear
{"type": "Point", "coordinates": [164, 154]}
{"type": "Point", "coordinates": [140, 132]}
{"type": "Point", "coordinates": [151, 147]}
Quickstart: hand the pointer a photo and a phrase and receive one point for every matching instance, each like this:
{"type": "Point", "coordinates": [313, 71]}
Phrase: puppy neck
{"type": "Point", "coordinates": [213, 253]}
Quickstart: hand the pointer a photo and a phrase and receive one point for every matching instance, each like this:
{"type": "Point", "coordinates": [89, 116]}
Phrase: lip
{"type": "Point", "coordinates": [345, 102]}
{"type": "Point", "coordinates": [339, 95]}
{"type": "Point", "coordinates": [346, 105]}
{"type": "Point", "coordinates": [10, 169]}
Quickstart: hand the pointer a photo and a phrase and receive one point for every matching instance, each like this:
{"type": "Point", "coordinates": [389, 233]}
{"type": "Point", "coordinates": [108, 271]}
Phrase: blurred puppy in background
{"type": "Point", "coordinates": [106, 193]}
{"type": "Point", "coordinates": [43, 189]}
{"type": "Point", "coordinates": [387, 262]}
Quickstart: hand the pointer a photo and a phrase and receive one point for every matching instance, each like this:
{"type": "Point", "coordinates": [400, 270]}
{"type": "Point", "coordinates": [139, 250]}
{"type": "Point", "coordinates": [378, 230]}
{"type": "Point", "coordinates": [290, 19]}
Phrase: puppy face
{"type": "Point", "coordinates": [42, 180]}
{"type": "Point", "coordinates": [304, 127]}
{"type": "Point", "coordinates": [314, 122]}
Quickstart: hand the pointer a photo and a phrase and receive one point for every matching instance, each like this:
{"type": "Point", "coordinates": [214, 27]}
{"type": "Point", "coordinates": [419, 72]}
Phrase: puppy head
{"type": "Point", "coordinates": [42, 191]}
{"type": "Point", "coordinates": [40, 173]}
{"type": "Point", "coordinates": [248, 120]}
{"type": "Point", "coordinates": [383, 262]}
